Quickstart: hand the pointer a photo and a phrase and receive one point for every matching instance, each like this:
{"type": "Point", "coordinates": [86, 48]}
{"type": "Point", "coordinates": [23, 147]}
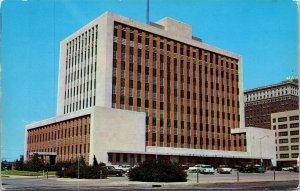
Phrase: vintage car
{"type": "Point", "coordinates": [224, 169]}
{"type": "Point", "coordinates": [111, 170]}
{"type": "Point", "coordinates": [259, 169]}
{"type": "Point", "coordinates": [195, 168]}
{"type": "Point", "coordinates": [206, 169]}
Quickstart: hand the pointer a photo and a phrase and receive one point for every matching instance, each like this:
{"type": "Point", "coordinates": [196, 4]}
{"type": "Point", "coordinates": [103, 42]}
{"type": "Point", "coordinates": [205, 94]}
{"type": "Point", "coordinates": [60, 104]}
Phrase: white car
{"type": "Point", "coordinates": [123, 167]}
{"type": "Point", "coordinates": [206, 169]}
{"type": "Point", "coordinates": [194, 168]}
{"type": "Point", "coordinates": [224, 169]}
{"type": "Point", "coordinates": [287, 168]}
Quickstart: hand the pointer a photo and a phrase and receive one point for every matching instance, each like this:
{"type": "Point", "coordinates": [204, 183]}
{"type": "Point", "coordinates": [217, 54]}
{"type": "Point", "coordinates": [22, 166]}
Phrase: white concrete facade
{"type": "Point", "coordinates": [286, 126]}
{"type": "Point", "coordinates": [118, 130]}
{"type": "Point", "coordinates": [260, 143]}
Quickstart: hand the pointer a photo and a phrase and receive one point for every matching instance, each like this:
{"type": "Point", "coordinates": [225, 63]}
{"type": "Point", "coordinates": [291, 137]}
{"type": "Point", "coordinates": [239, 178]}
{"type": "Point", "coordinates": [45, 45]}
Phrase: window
{"type": "Point", "coordinates": [294, 132]}
{"type": "Point", "coordinates": [274, 120]}
{"type": "Point", "coordinates": [293, 118]}
{"type": "Point", "coordinates": [283, 140]}
{"type": "Point", "coordinates": [294, 140]}
{"type": "Point", "coordinates": [295, 147]}
{"type": "Point", "coordinates": [295, 155]}
{"type": "Point", "coordinates": [117, 157]}
{"type": "Point", "coordinates": [282, 126]}
{"type": "Point", "coordinates": [294, 125]}
{"type": "Point", "coordinates": [284, 148]}
{"type": "Point", "coordinates": [284, 156]}
{"type": "Point", "coordinates": [283, 133]}
{"type": "Point", "coordinates": [124, 157]}
{"type": "Point", "coordinates": [282, 119]}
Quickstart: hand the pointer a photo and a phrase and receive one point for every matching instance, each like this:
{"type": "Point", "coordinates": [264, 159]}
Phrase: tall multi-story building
{"type": "Point", "coordinates": [261, 102]}
{"type": "Point", "coordinates": [128, 91]}
{"type": "Point", "coordinates": [286, 125]}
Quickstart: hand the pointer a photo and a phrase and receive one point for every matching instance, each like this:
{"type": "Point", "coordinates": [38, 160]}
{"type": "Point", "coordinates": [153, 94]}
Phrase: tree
{"type": "Point", "coordinates": [35, 164]}
{"type": "Point", "coordinates": [95, 162]}
{"type": "Point", "coordinates": [20, 163]}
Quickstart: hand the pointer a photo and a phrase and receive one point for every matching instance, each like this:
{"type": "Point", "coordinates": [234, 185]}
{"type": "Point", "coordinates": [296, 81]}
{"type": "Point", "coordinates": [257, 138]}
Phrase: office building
{"type": "Point", "coordinates": [261, 102]}
{"type": "Point", "coordinates": [286, 126]}
{"type": "Point", "coordinates": [128, 91]}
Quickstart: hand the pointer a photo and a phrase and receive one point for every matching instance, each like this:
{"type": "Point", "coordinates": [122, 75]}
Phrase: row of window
{"type": "Point", "coordinates": [269, 94]}
{"type": "Point", "coordinates": [283, 119]}
{"type": "Point", "coordinates": [84, 71]}
{"type": "Point", "coordinates": [285, 133]}
{"type": "Point", "coordinates": [79, 89]}
{"type": "Point", "coordinates": [66, 150]}
{"type": "Point", "coordinates": [286, 148]}
{"type": "Point", "coordinates": [292, 140]}
{"type": "Point", "coordinates": [188, 76]}
{"type": "Point", "coordinates": [89, 36]}
{"type": "Point", "coordinates": [285, 126]}
{"type": "Point", "coordinates": [286, 155]}
{"type": "Point", "coordinates": [82, 103]}
{"type": "Point", "coordinates": [79, 50]}
{"type": "Point", "coordinates": [44, 134]}
{"type": "Point", "coordinates": [73, 149]}
{"type": "Point", "coordinates": [166, 44]}
{"type": "Point", "coordinates": [123, 157]}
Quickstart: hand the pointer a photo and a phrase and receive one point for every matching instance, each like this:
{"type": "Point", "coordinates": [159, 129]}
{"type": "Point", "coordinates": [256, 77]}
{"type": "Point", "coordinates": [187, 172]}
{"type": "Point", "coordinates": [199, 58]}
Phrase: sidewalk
{"type": "Point", "coordinates": [284, 180]}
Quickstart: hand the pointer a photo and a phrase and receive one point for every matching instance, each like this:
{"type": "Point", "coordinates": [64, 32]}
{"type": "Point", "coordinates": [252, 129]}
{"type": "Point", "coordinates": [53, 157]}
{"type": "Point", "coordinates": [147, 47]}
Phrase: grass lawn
{"type": "Point", "coordinates": [26, 173]}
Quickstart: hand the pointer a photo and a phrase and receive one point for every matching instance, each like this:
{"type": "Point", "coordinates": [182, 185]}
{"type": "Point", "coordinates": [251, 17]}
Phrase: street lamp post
{"type": "Point", "coordinates": [261, 160]}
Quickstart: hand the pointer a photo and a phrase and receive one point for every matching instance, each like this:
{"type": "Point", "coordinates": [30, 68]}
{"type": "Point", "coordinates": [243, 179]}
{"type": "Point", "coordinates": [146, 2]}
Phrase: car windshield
{"type": "Point", "coordinates": [206, 166]}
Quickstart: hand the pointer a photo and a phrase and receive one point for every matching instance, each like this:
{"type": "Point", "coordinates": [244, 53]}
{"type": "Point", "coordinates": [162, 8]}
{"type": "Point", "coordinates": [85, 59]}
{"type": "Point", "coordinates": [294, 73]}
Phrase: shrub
{"type": "Point", "coordinates": [70, 170]}
{"type": "Point", "coordinates": [158, 171]}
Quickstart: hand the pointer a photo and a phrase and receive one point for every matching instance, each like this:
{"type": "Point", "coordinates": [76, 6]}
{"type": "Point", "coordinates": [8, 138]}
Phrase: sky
{"type": "Point", "coordinates": [263, 32]}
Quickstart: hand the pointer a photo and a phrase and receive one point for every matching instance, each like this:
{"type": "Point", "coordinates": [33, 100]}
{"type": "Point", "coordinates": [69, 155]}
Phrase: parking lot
{"type": "Point", "coordinates": [236, 176]}
{"type": "Point", "coordinates": [283, 179]}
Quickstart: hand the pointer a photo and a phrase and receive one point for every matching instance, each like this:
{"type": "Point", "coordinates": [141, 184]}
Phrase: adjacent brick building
{"type": "Point", "coordinates": [135, 90]}
{"type": "Point", "coordinates": [261, 102]}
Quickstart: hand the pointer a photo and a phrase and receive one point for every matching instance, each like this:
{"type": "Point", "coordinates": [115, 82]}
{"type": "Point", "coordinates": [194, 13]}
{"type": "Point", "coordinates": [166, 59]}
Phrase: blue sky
{"type": "Point", "coordinates": [263, 32]}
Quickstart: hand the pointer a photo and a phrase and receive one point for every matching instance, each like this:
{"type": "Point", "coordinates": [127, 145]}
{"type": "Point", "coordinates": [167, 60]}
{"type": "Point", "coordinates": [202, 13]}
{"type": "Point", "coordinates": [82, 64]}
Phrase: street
{"type": "Point", "coordinates": [246, 181]}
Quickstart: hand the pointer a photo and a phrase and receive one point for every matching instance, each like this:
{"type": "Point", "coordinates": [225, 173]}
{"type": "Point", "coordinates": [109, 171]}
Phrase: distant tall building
{"type": "Point", "coordinates": [286, 125]}
{"type": "Point", "coordinates": [262, 101]}
{"type": "Point", "coordinates": [129, 91]}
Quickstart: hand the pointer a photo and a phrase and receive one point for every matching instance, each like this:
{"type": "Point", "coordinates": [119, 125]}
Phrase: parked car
{"type": "Point", "coordinates": [194, 168]}
{"type": "Point", "coordinates": [224, 169]}
{"type": "Point", "coordinates": [296, 169]}
{"type": "Point", "coordinates": [246, 167]}
{"type": "Point", "coordinates": [287, 168]}
{"type": "Point", "coordinates": [124, 167]}
{"type": "Point", "coordinates": [206, 169]}
{"type": "Point", "coordinates": [113, 171]}
{"type": "Point", "coordinates": [259, 169]}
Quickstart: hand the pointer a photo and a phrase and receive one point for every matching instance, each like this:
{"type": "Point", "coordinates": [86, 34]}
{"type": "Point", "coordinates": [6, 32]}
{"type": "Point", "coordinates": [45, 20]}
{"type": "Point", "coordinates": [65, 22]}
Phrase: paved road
{"type": "Point", "coordinates": [247, 181]}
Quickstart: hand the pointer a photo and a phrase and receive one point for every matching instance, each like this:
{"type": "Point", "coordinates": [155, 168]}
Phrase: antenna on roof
{"type": "Point", "coordinates": [148, 7]}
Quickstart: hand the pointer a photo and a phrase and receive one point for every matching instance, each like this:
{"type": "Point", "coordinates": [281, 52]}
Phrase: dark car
{"type": "Point", "coordinates": [115, 172]}
{"type": "Point", "coordinates": [246, 168]}
{"type": "Point", "coordinates": [259, 169]}
{"type": "Point", "coordinates": [296, 169]}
